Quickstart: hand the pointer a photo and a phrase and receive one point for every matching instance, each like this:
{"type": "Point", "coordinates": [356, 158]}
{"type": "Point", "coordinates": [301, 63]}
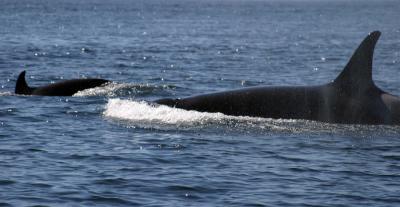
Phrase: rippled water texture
{"type": "Point", "coordinates": [108, 146]}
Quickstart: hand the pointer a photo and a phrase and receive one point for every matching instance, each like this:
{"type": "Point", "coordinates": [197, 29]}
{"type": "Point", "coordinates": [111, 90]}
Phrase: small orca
{"type": "Point", "coordinates": [352, 98]}
{"type": "Point", "coordinates": [62, 88]}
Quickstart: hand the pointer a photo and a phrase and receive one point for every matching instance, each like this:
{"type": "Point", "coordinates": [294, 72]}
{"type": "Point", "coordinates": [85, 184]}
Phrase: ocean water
{"type": "Point", "coordinates": [107, 147]}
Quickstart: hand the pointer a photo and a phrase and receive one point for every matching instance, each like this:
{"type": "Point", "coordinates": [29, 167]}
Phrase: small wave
{"type": "Point", "coordinates": [144, 115]}
{"type": "Point", "coordinates": [143, 112]}
{"type": "Point", "coordinates": [5, 204]}
{"type": "Point", "coordinates": [7, 182]}
{"type": "Point", "coordinates": [110, 200]}
{"type": "Point", "coordinates": [6, 93]}
{"type": "Point", "coordinates": [121, 89]}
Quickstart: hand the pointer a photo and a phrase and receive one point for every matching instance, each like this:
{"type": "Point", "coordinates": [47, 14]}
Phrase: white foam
{"type": "Point", "coordinates": [105, 90]}
{"type": "Point", "coordinates": [120, 89]}
{"type": "Point", "coordinates": [143, 112]}
{"type": "Point", "coordinates": [145, 115]}
{"type": "Point", "coordinates": [6, 93]}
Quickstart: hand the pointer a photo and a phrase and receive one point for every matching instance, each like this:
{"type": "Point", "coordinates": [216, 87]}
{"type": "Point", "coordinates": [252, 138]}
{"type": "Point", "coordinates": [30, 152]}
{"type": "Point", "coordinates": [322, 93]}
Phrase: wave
{"type": "Point", "coordinates": [123, 89]}
{"type": "Point", "coordinates": [146, 115]}
{"type": "Point", "coordinates": [6, 93]}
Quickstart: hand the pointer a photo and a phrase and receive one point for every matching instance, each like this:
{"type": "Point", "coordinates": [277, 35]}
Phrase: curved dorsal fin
{"type": "Point", "coordinates": [21, 86]}
{"type": "Point", "coordinates": [357, 75]}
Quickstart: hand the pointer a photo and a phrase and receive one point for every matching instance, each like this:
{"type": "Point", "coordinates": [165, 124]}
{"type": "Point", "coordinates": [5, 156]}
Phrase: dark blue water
{"type": "Point", "coordinates": [105, 147]}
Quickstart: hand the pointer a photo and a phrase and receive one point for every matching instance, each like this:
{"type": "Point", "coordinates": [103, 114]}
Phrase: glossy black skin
{"type": "Point", "coordinates": [62, 88]}
{"type": "Point", "coordinates": [325, 103]}
{"type": "Point", "coordinates": [352, 98]}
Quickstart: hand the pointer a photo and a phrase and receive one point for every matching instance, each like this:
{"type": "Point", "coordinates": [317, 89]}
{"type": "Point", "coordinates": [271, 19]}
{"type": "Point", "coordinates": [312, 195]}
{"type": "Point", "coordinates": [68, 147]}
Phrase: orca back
{"type": "Point", "coordinates": [68, 87]}
{"type": "Point", "coordinates": [62, 88]}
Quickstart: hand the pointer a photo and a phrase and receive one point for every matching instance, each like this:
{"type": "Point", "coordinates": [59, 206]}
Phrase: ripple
{"type": "Point", "coordinates": [192, 189]}
{"type": "Point", "coordinates": [35, 150]}
{"type": "Point", "coordinates": [7, 182]}
{"type": "Point", "coordinates": [393, 156]}
{"type": "Point", "coordinates": [112, 181]}
{"type": "Point", "coordinates": [40, 185]}
{"type": "Point", "coordinates": [96, 199]}
{"type": "Point", "coordinates": [77, 157]}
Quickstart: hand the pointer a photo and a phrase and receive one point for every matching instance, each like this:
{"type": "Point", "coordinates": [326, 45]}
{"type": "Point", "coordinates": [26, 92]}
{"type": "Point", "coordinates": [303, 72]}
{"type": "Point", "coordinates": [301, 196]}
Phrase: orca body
{"type": "Point", "coordinates": [62, 88]}
{"type": "Point", "coordinates": [352, 98]}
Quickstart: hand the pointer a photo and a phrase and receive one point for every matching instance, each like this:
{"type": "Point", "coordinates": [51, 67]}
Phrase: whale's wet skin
{"type": "Point", "coordinates": [109, 146]}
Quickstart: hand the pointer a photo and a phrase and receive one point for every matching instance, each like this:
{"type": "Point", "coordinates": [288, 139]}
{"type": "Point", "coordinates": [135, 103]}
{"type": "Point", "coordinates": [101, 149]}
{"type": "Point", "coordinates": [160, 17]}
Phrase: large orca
{"type": "Point", "coordinates": [62, 88]}
{"type": "Point", "coordinates": [352, 98]}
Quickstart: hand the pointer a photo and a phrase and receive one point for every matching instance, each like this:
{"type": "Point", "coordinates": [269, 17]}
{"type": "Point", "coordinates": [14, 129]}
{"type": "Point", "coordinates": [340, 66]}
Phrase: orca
{"type": "Point", "coordinates": [352, 98]}
{"type": "Point", "coordinates": [62, 88]}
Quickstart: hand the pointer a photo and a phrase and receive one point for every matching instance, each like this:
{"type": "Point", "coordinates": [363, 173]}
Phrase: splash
{"type": "Point", "coordinates": [145, 115]}
{"type": "Point", "coordinates": [122, 89]}
{"type": "Point", "coordinates": [6, 93]}
{"type": "Point", "coordinates": [105, 90]}
{"type": "Point", "coordinates": [143, 112]}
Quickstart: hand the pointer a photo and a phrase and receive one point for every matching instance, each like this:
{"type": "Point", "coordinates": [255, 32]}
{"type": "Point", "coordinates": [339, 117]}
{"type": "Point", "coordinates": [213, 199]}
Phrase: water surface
{"type": "Point", "coordinates": [106, 147]}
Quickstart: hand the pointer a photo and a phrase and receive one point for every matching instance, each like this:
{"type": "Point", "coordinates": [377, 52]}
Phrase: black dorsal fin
{"type": "Point", "coordinates": [21, 86]}
{"type": "Point", "coordinates": [357, 75]}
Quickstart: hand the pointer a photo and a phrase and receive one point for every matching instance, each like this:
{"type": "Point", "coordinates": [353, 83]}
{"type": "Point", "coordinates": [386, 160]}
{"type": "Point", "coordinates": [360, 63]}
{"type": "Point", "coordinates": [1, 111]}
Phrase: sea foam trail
{"type": "Point", "coordinates": [145, 115]}
{"type": "Point", "coordinates": [143, 112]}
{"type": "Point", "coordinates": [6, 93]}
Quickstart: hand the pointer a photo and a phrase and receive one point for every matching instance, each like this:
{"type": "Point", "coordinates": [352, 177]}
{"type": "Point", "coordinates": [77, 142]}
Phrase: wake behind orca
{"type": "Point", "coordinates": [352, 98]}
{"type": "Point", "coordinates": [62, 88]}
